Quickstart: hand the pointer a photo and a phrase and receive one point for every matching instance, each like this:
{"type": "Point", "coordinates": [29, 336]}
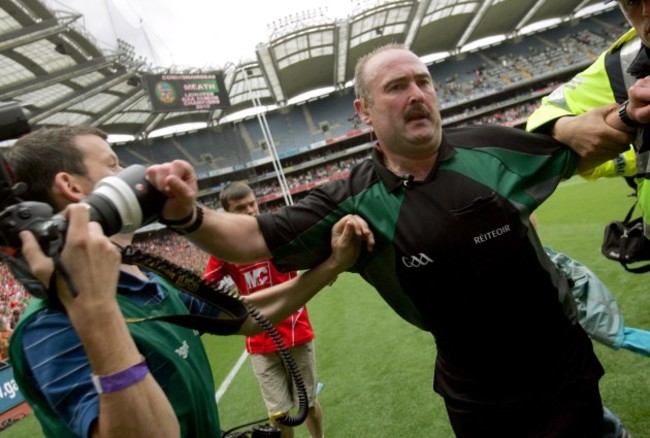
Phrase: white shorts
{"type": "Point", "coordinates": [277, 386]}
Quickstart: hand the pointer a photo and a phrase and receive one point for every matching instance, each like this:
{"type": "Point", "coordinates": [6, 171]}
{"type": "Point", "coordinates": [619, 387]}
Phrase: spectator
{"type": "Point", "coordinates": [296, 331]}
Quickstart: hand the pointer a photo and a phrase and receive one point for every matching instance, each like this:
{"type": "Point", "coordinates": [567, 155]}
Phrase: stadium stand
{"type": "Point", "coordinates": [501, 84]}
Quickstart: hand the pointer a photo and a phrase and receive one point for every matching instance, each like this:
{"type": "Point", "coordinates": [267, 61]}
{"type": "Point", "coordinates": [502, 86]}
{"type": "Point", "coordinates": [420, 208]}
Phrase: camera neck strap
{"type": "Point", "coordinates": [233, 311]}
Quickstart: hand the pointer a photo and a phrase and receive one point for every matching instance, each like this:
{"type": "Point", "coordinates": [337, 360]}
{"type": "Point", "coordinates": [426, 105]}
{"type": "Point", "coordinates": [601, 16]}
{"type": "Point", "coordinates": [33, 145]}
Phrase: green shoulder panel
{"type": "Point", "coordinates": [524, 179]}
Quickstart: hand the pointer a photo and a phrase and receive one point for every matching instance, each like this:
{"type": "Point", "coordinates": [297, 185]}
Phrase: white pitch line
{"type": "Point", "coordinates": [230, 377]}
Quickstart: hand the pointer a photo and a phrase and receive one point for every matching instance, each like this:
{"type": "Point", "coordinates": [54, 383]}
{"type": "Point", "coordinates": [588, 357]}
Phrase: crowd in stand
{"type": "Point", "coordinates": [500, 71]}
{"type": "Point", "coordinates": [318, 173]}
{"type": "Point", "coordinates": [511, 116]}
{"type": "Point", "coordinates": [170, 246]}
{"type": "Point", "coordinates": [13, 300]}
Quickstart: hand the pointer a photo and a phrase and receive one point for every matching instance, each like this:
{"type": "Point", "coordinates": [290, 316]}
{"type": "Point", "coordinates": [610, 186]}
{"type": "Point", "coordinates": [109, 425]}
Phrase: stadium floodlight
{"type": "Point", "coordinates": [268, 138]}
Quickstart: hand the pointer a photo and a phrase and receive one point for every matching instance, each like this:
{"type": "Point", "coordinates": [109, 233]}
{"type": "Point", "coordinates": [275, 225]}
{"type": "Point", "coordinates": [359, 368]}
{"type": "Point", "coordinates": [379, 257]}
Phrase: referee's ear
{"type": "Point", "coordinates": [361, 106]}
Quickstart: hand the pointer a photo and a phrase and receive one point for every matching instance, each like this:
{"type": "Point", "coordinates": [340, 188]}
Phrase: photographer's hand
{"type": "Point", "coordinates": [281, 300]}
{"type": "Point", "coordinates": [347, 235]}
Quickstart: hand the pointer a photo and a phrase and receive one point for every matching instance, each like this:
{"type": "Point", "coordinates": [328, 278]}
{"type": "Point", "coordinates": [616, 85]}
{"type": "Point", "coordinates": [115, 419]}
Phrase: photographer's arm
{"type": "Point", "coordinates": [280, 301]}
{"type": "Point", "coordinates": [93, 262]}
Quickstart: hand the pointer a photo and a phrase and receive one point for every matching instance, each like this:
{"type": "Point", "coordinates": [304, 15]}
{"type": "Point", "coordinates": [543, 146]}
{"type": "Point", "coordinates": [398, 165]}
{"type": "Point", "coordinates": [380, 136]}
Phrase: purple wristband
{"type": "Point", "coordinates": [120, 380]}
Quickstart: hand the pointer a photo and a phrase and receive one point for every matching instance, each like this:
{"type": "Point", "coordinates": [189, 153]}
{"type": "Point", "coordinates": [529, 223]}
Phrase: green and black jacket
{"type": "Point", "coordinates": [455, 255]}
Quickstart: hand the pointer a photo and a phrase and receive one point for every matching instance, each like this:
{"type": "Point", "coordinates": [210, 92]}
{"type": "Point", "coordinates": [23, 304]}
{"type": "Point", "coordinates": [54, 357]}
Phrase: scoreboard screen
{"type": "Point", "coordinates": [186, 91]}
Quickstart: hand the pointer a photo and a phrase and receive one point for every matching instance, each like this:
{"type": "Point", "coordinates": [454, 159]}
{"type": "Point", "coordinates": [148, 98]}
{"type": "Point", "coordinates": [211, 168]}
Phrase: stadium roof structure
{"type": "Point", "coordinates": [56, 72]}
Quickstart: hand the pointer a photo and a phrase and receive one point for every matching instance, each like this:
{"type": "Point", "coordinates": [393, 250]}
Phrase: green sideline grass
{"type": "Point", "coordinates": [377, 369]}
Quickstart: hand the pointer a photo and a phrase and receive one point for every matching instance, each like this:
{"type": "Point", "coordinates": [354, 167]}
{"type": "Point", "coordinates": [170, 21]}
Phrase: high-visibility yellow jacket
{"type": "Point", "coordinates": [604, 82]}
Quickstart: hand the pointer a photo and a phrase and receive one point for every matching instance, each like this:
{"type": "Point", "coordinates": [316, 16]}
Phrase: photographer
{"type": "Point", "coordinates": [296, 331]}
{"type": "Point", "coordinates": [150, 378]}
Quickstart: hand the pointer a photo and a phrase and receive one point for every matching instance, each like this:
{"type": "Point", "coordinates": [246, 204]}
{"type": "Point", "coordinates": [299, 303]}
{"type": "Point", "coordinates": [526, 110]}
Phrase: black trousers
{"type": "Point", "coordinates": [576, 412]}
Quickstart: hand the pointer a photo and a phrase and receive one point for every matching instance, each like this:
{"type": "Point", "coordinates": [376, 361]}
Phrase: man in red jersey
{"type": "Point", "coordinates": [275, 383]}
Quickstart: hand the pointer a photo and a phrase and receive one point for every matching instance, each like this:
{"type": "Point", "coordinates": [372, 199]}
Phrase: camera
{"type": "Point", "coordinates": [119, 203]}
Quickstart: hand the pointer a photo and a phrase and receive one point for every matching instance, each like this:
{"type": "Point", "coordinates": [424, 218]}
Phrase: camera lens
{"type": "Point", "coordinates": [125, 202]}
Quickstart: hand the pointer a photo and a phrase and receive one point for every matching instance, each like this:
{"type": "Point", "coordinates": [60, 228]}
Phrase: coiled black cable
{"type": "Point", "coordinates": [192, 284]}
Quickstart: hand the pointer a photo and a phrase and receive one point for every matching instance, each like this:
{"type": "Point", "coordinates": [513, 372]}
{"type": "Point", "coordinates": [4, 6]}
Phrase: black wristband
{"type": "Point", "coordinates": [625, 118]}
{"type": "Point", "coordinates": [177, 222]}
{"type": "Point", "coordinates": [195, 226]}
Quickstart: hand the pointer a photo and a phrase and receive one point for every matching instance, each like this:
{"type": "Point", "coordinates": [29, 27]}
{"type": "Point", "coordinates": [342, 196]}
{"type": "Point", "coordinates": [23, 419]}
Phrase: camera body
{"type": "Point", "coordinates": [36, 217]}
{"type": "Point", "coordinates": [120, 203]}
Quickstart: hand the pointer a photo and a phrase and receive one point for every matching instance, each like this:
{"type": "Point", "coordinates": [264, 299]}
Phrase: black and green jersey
{"type": "Point", "coordinates": [455, 255]}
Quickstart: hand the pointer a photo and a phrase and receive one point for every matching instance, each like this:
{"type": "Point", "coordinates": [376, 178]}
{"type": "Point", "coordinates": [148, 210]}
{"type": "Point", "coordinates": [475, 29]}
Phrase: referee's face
{"type": "Point", "coordinates": [402, 108]}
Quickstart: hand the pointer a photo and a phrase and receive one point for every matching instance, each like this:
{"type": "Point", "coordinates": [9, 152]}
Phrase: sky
{"type": "Point", "coordinates": [203, 34]}
{"type": "Point", "coordinates": [190, 33]}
